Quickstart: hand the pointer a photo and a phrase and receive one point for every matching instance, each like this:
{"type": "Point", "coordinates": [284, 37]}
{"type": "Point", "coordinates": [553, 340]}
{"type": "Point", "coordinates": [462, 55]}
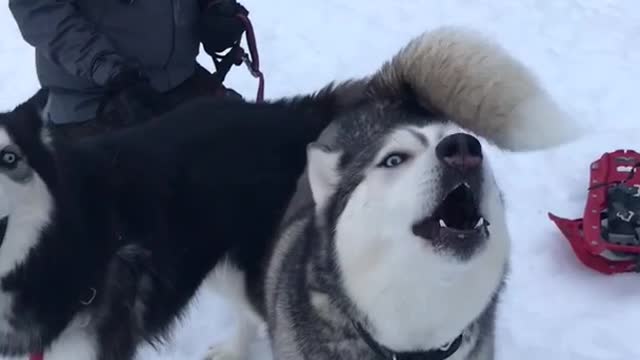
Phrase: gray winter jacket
{"type": "Point", "coordinates": [78, 44]}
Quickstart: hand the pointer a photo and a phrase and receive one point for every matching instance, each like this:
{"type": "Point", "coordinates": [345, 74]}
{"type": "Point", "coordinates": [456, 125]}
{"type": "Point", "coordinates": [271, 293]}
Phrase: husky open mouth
{"type": "Point", "coordinates": [458, 214]}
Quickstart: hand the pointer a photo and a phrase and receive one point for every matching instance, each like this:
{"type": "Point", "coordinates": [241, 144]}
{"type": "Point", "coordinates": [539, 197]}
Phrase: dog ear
{"type": "Point", "coordinates": [25, 121]}
{"type": "Point", "coordinates": [323, 172]}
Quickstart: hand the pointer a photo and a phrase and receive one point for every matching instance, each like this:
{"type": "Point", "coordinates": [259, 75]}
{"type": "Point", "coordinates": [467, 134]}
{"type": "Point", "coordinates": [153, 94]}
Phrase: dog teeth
{"type": "Point", "coordinates": [480, 223]}
{"type": "Point", "coordinates": [443, 224]}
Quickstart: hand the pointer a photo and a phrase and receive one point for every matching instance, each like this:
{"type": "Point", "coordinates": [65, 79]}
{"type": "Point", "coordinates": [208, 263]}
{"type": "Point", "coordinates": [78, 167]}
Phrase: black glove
{"type": "Point", "coordinates": [219, 27]}
{"type": "Point", "coordinates": [129, 98]}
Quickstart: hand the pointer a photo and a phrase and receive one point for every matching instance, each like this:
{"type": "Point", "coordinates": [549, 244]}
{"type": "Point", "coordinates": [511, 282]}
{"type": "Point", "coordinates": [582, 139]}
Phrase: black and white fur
{"type": "Point", "coordinates": [108, 238]}
{"type": "Point", "coordinates": [357, 250]}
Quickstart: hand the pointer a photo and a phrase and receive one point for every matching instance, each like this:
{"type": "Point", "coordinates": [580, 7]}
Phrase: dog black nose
{"type": "Point", "coordinates": [460, 151]}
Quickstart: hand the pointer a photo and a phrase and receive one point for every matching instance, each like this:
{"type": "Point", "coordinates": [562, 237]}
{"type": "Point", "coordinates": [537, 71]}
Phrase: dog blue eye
{"type": "Point", "coordinates": [9, 158]}
{"type": "Point", "coordinates": [393, 160]}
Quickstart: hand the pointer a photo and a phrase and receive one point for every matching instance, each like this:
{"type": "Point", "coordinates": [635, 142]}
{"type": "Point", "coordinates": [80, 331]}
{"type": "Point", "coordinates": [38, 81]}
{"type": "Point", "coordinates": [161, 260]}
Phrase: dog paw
{"type": "Point", "coordinates": [220, 352]}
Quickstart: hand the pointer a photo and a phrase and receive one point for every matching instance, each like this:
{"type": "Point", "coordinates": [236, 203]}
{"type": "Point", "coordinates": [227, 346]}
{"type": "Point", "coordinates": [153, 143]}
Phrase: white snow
{"type": "Point", "coordinates": [584, 51]}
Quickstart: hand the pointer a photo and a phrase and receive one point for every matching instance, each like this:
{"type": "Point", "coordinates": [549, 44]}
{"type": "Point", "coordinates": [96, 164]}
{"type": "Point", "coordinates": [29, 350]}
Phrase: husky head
{"type": "Point", "coordinates": [28, 202]}
{"type": "Point", "coordinates": [406, 191]}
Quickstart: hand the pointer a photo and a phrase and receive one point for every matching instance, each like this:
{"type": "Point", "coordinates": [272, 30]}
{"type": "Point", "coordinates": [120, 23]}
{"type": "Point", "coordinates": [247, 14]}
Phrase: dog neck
{"type": "Point", "coordinates": [411, 299]}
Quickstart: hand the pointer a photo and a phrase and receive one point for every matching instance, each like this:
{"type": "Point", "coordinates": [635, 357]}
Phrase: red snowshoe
{"type": "Point", "coordinates": [607, 238]}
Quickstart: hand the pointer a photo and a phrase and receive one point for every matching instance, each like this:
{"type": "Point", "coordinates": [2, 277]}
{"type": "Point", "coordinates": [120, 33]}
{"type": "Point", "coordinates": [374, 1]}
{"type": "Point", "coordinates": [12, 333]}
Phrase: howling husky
{"type": "Point", "coordinates": [400, 252]}
{"type": "Point", "coordinates": [401, 248]}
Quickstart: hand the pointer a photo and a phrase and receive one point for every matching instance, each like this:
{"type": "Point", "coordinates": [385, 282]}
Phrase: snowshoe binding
{"type": "Point", "coordinates": [607, 238]}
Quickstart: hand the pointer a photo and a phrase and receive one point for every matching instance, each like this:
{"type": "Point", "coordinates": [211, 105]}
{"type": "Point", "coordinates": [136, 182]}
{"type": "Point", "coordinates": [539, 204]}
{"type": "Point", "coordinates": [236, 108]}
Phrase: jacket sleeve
{"type": "Point", "coordinates": [62, 34]}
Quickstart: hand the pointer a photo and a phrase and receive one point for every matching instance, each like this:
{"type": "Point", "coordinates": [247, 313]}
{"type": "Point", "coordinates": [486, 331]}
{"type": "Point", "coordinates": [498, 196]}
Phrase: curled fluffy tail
{"type": "Point", "coordinates": [478, 85]}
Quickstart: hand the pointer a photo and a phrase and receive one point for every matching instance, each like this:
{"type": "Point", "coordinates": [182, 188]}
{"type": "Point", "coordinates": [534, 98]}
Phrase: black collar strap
{"type": "Point", "coordinates": [442, 353]}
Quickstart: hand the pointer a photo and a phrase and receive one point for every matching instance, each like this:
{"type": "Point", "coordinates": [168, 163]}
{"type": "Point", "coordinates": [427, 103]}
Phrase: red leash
{"type": "Point", "coordinates": [237, 55]}
{"type": "Point", "coordinates": [253, 62]}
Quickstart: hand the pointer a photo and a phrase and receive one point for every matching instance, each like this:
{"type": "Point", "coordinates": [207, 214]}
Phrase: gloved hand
{"type": "Point", "coordinates": [129, 98]}
{"type": "Point", "coordinates": [219, 27]}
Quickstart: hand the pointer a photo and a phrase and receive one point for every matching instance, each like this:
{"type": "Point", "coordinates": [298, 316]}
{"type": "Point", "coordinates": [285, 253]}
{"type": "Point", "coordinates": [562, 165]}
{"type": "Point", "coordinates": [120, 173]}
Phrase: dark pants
{"type": "Point", "coordinates": [202, 83]}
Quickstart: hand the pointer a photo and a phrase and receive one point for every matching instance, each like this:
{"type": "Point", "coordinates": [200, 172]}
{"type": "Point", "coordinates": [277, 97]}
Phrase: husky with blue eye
{"type": "Point", "coordinates": [400, 248]}
{"type": "Point", "coordinates": [108, 238]}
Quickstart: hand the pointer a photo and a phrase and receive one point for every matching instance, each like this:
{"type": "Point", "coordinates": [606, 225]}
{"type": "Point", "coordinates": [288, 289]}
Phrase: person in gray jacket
{"type": "Point", "coordinates": [105, 63]}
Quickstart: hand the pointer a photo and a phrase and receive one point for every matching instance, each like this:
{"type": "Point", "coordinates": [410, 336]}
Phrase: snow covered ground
{"type": "Point", "coordinates": [584, 51]}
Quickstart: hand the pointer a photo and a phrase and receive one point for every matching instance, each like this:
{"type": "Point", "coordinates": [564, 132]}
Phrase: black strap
{"type": "Point", "coordinates": [386, 354]}
{"type": "Point", "coordinates": [632, 173]}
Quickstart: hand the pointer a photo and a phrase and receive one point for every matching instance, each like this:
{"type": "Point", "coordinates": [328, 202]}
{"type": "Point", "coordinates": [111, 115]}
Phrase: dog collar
{"type": "Point", "coordinates": [442, 353]}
